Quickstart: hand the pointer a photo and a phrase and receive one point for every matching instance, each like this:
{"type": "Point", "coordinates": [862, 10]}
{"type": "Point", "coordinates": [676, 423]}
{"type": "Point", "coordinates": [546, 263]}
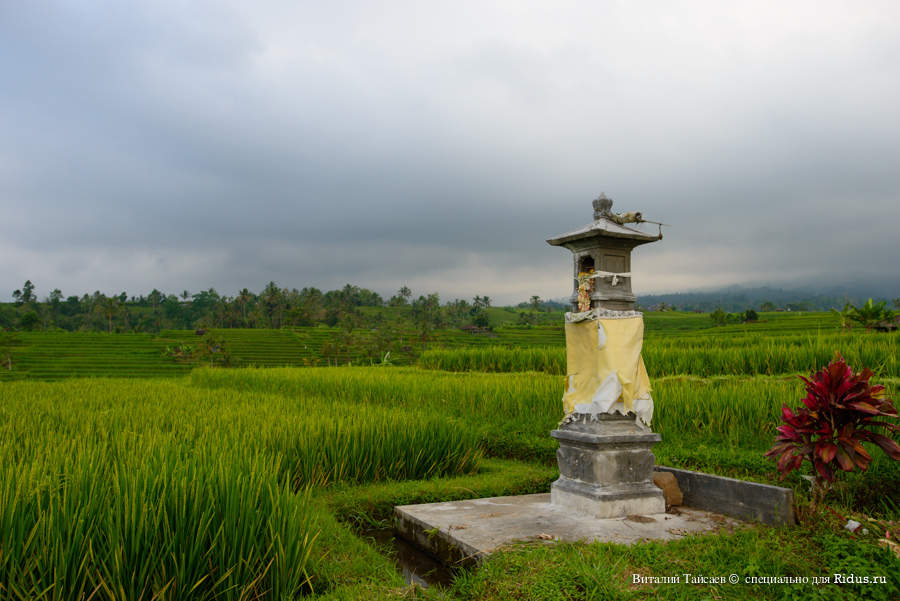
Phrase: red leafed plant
{"type": "Point", "coordinates": [840, 412]}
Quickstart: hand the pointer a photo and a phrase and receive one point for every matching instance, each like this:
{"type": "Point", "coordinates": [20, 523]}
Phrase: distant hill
{"type": "Point", "coordinates": [739, 298]}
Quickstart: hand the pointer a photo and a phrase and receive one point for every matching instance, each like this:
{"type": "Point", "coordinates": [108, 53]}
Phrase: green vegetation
{"type": "Point", "coordinates": [721, 425]}
{"type": "Point", "coordinates": [769, 323]}
{"type": "Point", "coordinates": [121, 489]}
{"type": "Point", "coordinates": [676, 343]}
{"type": "Point", "coordinates": [56, 355]}
{"type": "Point", "coordinates": [551, 360]}
{"type": "Point", "coordinates": [603, 571]}
{"type": "Point", "coordinates": [348, 308]}
{"type": "Point", "coordinates": [869, 315]}
{"type": "Point", "coordinates": [841, 410]}
{"type": "Point", "coordinates": [257, 483]}
{"type": "Point", "coordinates": [744, 353]}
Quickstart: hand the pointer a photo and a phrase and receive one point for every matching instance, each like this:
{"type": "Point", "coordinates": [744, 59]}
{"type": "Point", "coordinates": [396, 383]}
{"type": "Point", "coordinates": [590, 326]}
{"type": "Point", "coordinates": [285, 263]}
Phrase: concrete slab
{"type": "Point", "coordinates": [468, 531]}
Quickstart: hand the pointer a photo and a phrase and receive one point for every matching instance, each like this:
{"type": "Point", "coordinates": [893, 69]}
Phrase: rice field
{"type": "Point", "coordinates": [678, 342]}
{"type": "Point", "coordinates": [721, 424]}
{"type": "Point", "coordinates": [62, 355]}
{"type": "Point", "coordinates": [738, 411]}
{"type": "Point", "coordinates": [212, 485]}
{"type": "Point", "coordinates": [125, 489]}
{"type": "Point", "coordinates": [703, 356]}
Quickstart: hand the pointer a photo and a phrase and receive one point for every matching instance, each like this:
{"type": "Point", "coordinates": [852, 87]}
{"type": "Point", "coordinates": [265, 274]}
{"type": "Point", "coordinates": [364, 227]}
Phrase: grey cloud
{"type": "Point", "coordinates": [226, 144]}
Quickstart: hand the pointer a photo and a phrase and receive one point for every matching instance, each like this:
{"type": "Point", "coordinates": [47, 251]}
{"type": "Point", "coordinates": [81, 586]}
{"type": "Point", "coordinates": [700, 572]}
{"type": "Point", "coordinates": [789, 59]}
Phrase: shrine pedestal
{"type": "Point", "coordinates": [605, 467]}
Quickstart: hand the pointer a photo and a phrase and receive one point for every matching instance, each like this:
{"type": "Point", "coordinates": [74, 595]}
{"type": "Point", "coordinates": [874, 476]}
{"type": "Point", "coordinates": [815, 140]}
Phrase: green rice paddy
{"type": "Point", "coordinates": [252, 483]}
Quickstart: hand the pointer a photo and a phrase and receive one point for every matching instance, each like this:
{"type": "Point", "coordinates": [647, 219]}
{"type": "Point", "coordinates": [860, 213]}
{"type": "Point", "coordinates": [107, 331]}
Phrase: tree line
{"type": "Point", "coordinates": [273, 307]}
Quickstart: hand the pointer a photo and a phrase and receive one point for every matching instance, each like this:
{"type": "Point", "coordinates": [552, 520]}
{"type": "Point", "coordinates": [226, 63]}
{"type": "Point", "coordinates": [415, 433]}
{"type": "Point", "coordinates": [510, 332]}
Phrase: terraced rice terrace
{"type": "Point", "coordinates": [57, 355]}
{"type": "Point", "coordinates": [677, 336]}
{"type": "Point", "coordinates": [303, 346]}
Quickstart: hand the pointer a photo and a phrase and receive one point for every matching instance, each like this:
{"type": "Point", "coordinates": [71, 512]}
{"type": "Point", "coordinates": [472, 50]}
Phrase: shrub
{"type": "Point", "coordinates": [840, 412]}
{"type": "Point", "coordinates": [870, 315]}
{"type": "Point", "coordinates": [719, 317]}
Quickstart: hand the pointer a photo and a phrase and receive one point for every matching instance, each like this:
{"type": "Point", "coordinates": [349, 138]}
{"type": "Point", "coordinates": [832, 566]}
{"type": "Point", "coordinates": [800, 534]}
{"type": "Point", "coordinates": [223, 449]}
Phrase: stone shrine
{"type": "Point", "coordinates": [605, 489]}
{"type": "Point", "coordinates": [605, 459]}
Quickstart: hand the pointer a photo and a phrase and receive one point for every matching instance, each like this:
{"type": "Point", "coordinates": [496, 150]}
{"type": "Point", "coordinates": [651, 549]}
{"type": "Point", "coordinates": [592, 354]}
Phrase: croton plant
{"type": "Point", "coordinates": [841, 411]}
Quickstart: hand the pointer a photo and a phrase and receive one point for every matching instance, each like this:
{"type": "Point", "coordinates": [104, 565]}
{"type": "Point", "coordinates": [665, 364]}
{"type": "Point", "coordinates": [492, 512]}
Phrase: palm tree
{"type": "Point", "coordinates": [110, 305]}
{"type": "Point", "coordinates": [243, 299]}
{"type": "Point", "coordinates": [273, 300]}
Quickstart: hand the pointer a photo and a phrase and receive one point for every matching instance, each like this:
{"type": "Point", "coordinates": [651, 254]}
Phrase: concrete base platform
{"type": "Point", "coordinates": [464, 532]}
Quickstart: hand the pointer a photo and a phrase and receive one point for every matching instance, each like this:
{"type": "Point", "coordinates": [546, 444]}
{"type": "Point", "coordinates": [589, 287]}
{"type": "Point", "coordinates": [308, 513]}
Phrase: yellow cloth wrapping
{"type": "Point", "coordinates": [588, 365]}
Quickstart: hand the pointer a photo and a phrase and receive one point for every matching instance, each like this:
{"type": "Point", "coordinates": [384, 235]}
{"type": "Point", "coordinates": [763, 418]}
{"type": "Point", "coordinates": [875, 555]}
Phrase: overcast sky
{"type": "Point", "coordinates": [188, 145]}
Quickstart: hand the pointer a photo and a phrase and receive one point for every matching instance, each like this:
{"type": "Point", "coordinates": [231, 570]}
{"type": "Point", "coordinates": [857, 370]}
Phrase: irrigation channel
{"type": "Point", "coordinates": [417, 566]}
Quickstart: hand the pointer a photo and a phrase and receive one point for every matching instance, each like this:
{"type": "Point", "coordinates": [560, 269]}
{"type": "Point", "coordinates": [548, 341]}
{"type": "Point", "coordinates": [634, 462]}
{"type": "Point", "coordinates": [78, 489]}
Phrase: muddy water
{"type": "Point", "coordinates": [416, 566]}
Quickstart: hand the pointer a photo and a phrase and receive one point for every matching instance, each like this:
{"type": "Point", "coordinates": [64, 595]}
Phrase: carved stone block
{"type": "Point", "coordinates": [606, 467]}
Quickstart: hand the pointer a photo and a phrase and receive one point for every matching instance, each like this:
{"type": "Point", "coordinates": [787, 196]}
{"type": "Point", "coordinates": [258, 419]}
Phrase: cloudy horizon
{"type": "Point", "coordinates": [222, 144]}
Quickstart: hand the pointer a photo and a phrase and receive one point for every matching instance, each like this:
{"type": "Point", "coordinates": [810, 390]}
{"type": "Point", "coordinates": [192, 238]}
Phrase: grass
{"type": "Point", "coordinates": [607, 571]}
{"type": "Point", "coordinates": [719, 425]}
{"type": "Point", "coordinates": [111, 523]}
{"type": "Point", "coordinates": [372, 505]}
{"type": "Point", "coordinates": [118, 489]}
{"type": "Point", "coordinates": [254, 483]}
{"type": "Point", "coordinates": [698, 355]}
{"type": "Point", "coordinates": [731, 410]}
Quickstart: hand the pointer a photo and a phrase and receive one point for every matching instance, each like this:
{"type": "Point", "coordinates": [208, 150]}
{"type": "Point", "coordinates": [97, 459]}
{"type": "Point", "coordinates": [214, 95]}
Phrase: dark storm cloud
{"type": "Point", "coordinates": [222, 144]}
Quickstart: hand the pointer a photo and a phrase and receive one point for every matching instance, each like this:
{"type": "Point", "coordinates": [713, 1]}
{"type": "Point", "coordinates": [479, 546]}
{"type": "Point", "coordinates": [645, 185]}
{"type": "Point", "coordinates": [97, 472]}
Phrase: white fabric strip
{"type": "Point", "coordinates": [608, 274]}
{"type": "Point", "coordinates": [575, 317]}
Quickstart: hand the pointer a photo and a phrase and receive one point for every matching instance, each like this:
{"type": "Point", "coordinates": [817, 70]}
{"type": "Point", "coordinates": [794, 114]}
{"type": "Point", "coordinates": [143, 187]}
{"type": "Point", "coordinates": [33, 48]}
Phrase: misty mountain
{"type": "Point", "coordinates": [739, 298]}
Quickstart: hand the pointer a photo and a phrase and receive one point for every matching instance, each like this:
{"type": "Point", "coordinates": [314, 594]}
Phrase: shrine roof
{"type": "Point", "coordinates": [604, 227]}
